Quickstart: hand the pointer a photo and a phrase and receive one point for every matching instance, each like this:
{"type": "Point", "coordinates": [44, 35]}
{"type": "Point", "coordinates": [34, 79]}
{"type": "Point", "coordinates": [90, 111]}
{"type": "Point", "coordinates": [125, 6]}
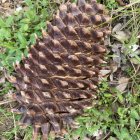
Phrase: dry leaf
{"type": "Point", "coordinates": [3, 1]}
{"type": "Point", "coordinates": [135, 47]}
{"type": "Point", "coordinates": [104, 72]}
{"type": "Point", "coordinates": [117, 53]}
{"type": "Point", "coordinates": [117, 28]}
{"type": "Point", "coordinates": [135, 61]}
{"type": "Point", "coordinates": [114, 67]}
{"type": "Point", "coordinates": [123, 82]}
{"type": "Point", "coordinates": [121, 36]}
{"type": "Point", "coordinates": [19, 8]}
{"type": "Point", "coordinates": [2, 80]}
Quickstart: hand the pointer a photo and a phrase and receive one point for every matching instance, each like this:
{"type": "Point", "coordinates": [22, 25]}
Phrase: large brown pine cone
{"type": "Point", "coordinates": [59, 77]}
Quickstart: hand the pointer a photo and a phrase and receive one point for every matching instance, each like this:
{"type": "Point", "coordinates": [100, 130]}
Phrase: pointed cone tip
{"type": "Point", "coordinates": [44, 33]}
{"type": "Point", "coordinates": [48, 23]}
{"type": "Point", "coordinates": [14, 65]}
{"type": "Point", "coordinates": [27, 48]}
{"type": "Point", "coordinates": [17, 64]}
{"type": "Point", "coordinates": [81, 2]}
{"type": "Point", "coordinates": [36, 37]}
{"type": "Point", "coordinates": [12, 79]}
{"type": "Point", "coordinates": [22, 125]}
{"type": "Point", "coordinates": [32, 47]}
{"type": "Point", "coordinates": [10, 95]}
{"type": "Point", "coordinates": [22, 55]}
{"type": "Point", "coordinates": [63, 7]}
{"type": "Point", "coordinates": [29, 55]}
{"type": "Point", "coordinates": [14, 110]}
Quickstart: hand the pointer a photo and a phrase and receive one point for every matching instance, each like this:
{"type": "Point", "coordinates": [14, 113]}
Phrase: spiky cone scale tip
{"type": "Point", "coordinates": [59, 78]}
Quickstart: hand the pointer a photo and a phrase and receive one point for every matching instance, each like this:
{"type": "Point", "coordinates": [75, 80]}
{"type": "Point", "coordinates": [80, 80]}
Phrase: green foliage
{"type": "Point", "coordinates": [6, 117]}
{"type": "Point", "coordinates": [17, 31]}
{"type": "Point", "coordinates": [110, 4]}
{"type": "Point", "coordinates": [116, 113]}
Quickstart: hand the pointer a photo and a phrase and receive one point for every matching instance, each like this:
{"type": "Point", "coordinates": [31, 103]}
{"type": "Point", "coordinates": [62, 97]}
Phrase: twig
{"type": "Point", "coordinates": [106, 135]}
{"type": "Point", "coordinates": [6, 102]}
{"type": "Point", "coordinates": [14, 123]}
{"type": "Point", "coordinates": [137, 128]}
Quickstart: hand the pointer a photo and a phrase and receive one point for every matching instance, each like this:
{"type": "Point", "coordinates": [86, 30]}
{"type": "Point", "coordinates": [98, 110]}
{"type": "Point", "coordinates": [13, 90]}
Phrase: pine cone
{"type": "Point", "coordinates": [59, 78]}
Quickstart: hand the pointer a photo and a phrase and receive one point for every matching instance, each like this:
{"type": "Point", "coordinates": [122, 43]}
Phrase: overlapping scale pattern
{"type": "Point", "coordinates": [59, 78]}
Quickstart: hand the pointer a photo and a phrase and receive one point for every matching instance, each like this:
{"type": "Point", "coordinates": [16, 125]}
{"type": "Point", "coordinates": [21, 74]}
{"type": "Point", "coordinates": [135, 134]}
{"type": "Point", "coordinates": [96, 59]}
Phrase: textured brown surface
{"type": "Point", "coordinates": [59, 77]}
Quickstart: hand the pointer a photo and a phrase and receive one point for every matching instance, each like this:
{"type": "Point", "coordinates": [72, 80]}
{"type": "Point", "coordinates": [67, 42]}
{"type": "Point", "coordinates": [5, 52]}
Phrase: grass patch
{"type": "Point", "coordinates": [18, 31]}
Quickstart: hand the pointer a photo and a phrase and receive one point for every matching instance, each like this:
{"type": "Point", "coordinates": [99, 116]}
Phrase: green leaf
{"type": "Point", "coordinates": [124, 134]}
{"type": "Point", "coordinates": [120, 97]}
{"type": "Point", "coordinates": [132, 123]}
{"type": "Point", "coordinates": [9, 21]}
{"type": "Point", "coordinates": [8, 45]}
{"type": "Point", "coordinates": [134, 114]}
{"type": "Point", "coordinates": [5, 34]}
{"type": "Point", "coordinates": [25, 20]}
{"type": "Point", "coordinates": [32, 38]}
{"type": "Point", "coordinates": [31, 15]}
{"type": "Point", "coordinates": [107, 95]}
{"type": "Point", "coordinates": [22, 39]}
{"type": "Point", "coordinates": [80, 132]}
{"type": "Point", "coordinates": [24, 27]}
{"type": "Point", "coordinates": [2, 23]}
{"type": "Point", "coordinates": [93, 129]}
{"type": "Point", "coordinates": [28, 2]}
